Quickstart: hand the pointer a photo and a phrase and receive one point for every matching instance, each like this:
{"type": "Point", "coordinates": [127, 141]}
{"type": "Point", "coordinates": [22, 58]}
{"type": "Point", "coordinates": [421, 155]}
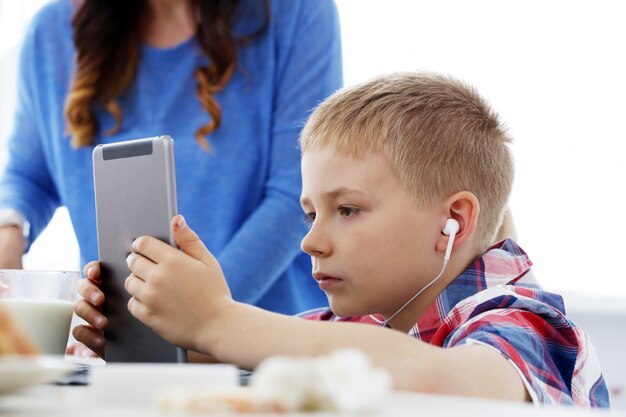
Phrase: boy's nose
{"type": "Point", "coordinates": [314, 243]}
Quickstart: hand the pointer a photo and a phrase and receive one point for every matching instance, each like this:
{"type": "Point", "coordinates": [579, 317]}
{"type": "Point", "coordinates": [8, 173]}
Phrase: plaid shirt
{"type": "Point", "coordinates": [496, 302]}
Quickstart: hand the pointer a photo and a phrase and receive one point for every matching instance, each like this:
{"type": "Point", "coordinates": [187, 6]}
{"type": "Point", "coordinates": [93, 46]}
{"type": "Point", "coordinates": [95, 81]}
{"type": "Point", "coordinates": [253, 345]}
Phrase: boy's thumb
{"type": "Point", "coordinates": [188, 241]}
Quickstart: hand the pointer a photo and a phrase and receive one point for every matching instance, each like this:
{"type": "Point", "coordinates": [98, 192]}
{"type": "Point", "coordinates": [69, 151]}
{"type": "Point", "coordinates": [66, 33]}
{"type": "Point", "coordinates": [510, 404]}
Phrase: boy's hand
{"type": "Point", "coordinates": [88, 309]}
{"type": "Point", "coordinates": [176, 292]}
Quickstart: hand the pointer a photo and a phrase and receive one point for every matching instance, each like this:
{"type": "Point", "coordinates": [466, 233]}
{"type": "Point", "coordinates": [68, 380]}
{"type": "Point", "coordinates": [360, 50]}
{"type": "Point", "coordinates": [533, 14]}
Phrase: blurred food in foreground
{"type": "Point", "coordinates": [13, 339]}
{"type": "Point", "coordinates": [344, 381]}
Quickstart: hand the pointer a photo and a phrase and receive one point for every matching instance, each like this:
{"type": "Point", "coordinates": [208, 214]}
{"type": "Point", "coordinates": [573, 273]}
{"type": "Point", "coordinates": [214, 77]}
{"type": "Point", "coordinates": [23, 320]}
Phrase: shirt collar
{"type": "Point", "coordinates": [504, 263]}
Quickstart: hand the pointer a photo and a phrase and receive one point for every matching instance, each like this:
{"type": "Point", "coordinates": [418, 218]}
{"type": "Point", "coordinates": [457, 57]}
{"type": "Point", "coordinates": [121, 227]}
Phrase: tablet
{"type": "Point", "coordinates": [135, 191]}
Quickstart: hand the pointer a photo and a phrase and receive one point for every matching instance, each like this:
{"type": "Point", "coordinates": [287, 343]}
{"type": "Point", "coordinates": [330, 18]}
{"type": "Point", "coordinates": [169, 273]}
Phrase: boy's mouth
{"type": "Point", "coordinates": [326, 282]}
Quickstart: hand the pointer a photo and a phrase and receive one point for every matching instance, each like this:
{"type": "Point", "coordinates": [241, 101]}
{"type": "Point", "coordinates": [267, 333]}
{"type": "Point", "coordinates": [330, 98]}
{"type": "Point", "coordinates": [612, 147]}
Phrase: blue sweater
{"type": "Point", "coordinates": [242, 198]}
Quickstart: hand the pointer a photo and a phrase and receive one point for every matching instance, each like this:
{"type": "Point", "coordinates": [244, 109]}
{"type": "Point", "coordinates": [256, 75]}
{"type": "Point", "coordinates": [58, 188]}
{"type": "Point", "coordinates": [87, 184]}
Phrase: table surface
{"type": "Point", "coordinates": [68, 401]}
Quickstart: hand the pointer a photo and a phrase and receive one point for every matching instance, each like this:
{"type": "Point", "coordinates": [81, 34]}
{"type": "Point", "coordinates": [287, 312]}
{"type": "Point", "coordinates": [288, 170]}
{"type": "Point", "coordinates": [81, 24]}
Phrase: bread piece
{"type": "Point", "coordinates": [344, 381]}
{"type": "Point", "coordinates": [13, 339]}
{"type": "Point", "coordinates": [221, 400]}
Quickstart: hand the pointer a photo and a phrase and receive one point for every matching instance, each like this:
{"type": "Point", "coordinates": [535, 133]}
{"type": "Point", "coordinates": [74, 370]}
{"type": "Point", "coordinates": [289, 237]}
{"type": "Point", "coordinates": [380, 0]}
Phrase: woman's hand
{"type": "Point", "coordinates": [177, 292]}
{"type": "Point", "coordinates": [92, 334]}
{"type": "Point", "coordinates": [11, 247]}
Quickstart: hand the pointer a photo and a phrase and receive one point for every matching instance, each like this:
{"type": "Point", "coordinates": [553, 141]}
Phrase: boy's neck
{"type": "Point", "coordinates": [406, 319]}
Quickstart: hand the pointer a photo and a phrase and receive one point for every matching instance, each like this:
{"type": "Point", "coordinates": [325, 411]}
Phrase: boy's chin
{"type": "Point", "coordinates": [344, 310]}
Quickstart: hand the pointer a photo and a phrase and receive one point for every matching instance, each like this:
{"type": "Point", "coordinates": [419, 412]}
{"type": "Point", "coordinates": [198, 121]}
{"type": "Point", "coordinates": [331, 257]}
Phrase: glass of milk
{"type": "Point", "coordinates": [42, 302]}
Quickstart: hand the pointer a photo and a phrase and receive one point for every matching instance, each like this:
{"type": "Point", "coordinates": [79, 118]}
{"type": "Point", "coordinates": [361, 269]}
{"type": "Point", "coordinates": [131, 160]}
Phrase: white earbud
{"type": "Point", "coordinates": [451, 228]}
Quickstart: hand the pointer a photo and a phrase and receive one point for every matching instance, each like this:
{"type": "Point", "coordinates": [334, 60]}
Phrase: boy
{"type": "Point", "coordinates": [397, 173]}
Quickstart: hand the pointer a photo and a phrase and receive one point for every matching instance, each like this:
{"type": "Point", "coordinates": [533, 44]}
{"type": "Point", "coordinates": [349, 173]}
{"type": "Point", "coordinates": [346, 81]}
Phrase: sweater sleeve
{"type": "Point", "coordinates": [308, 70]}
{"type": "Point", "coordinates": [27, 185]}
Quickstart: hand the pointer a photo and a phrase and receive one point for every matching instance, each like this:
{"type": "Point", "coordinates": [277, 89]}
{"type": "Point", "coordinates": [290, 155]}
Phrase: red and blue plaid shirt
{"type": "Point", "coordinates": [496, 302]}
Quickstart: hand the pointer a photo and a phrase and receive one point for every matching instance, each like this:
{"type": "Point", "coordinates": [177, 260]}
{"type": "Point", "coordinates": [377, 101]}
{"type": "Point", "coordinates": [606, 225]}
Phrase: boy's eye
{"type": "Point", "coordinates": [348, 211]}
{"type": "Point", "coordinates": [308, 218]}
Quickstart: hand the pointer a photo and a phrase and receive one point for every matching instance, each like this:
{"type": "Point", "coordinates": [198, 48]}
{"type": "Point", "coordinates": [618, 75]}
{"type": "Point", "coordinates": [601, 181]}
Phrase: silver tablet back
{"type": "Point", "coordinates": [135, 190]}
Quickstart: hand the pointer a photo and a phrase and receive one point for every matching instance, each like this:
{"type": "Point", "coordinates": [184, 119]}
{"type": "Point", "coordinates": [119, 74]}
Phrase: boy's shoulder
{"type": "Point", "coordinates": [498, 286]}
{"type": "Point", "coordinates": [497, 303]}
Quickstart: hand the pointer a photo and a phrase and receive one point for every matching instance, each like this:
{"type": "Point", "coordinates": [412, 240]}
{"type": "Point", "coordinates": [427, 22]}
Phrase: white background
{"type": "Point", "coordinates": [553, 69]}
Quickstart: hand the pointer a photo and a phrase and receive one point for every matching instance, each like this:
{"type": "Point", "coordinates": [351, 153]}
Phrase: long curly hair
{"type": "Point", "coordinates": [107, 36]}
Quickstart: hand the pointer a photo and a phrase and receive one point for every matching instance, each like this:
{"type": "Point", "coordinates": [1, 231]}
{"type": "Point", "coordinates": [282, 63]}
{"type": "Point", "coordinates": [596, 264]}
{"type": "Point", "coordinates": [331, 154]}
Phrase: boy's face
{"type": "Point", "coordinates": [371, 248]}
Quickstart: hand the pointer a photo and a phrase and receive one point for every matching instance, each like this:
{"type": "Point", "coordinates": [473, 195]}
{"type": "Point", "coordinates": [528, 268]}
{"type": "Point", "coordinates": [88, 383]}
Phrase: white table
{"type": "Point", "coordinates": [69, 401]}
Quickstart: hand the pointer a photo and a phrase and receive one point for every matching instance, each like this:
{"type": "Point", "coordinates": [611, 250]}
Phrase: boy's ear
{"type": "Point", "coordinates": [464, 208]}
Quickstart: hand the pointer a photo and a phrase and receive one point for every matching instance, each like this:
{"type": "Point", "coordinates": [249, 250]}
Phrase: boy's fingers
{"type": "Point", "coordinates": [134, 285]}
{"type": "Point", "coordinates": [150, 248]}
{"type": "Point", "coordinates": [90, 292]}
{"type": "Point", "coordinates": [90, 314]}
{"type": "Point", "coordinates": [92, 271]}
{"type": "Point", "coordinates": [188, 241]}
{"type": "Point", "coordinates": [139, 265]}
{"type": "Point", "coordinates": [79, 349]}
{"type": "Point", "coordinates": [138, 310]}
{"type": "Point", "coordinates": [90, 337]}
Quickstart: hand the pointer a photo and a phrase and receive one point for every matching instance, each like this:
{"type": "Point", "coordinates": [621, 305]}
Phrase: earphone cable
{"type": "Point", "coordinates": [385, 322]}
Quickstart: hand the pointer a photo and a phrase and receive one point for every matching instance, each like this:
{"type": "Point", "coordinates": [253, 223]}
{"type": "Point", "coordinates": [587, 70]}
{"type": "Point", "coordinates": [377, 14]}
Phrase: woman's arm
{"type": "Point", "coordinates": [11, 247]}
{"type": "Point", "coordinates": [26, 185]}
{"type": "Point", "coordinates": [308, 69]}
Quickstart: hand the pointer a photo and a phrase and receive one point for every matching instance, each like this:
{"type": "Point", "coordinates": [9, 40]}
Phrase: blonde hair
{"type": "Point", "coordinates": [439, 135]}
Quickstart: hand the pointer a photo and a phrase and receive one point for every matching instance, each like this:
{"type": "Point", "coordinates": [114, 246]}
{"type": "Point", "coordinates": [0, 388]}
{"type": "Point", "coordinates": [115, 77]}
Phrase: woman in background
{"type": "Point", "coordinates": [231, 81]}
